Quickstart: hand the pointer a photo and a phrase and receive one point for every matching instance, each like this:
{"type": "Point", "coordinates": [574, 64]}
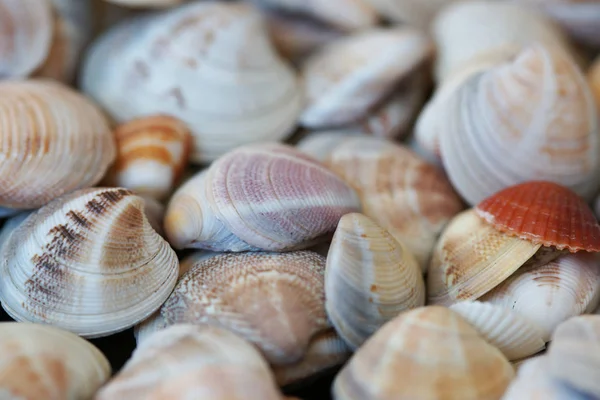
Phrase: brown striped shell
{"type": "Point", "coordinates": [88, 262]}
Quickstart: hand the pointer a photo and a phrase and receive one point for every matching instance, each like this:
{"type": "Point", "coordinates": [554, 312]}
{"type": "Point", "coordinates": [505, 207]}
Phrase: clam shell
{"type": "Point", "coordinates": [209, 64]}
{"type": "Point", "coordinates": [193, 362]}
{"type": "Point", "coordinates": [408, 197]}
{"type": "Point", "coordinates": [544, 213]}
{"type": "Point", "coordinates": [552, 293]}
{"type": "Point", "coordinates": [56, 139]}
{"type": "Point", "coordinates": [370, 278]}
{"type": "Point", "coordinates": [274, 300]}
{"type": "Point", "coordinates": [409, 354]}
{"type": "Point", "coordinates": [88, 262]}
{"type": "Point", "coordinates": [515, 336]}
{"type": "Point", "coordinates": [347, 77]}
{"type": "Point", "coordinates": [43, 362]}
{"type": "Point", "coordinates": [471, 258]}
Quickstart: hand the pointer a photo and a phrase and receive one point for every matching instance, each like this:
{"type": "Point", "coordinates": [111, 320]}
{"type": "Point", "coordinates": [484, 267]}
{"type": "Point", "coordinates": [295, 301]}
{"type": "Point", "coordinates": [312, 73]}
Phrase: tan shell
{"type": "Point", "coordinates": [427, 353]}
{"type": "Point", "coordinates": [471, 258]}
{"type": "Point", "coordinates": [43, 362]}
{"type": "Point", "coordinates": [88, 262]}
{"type": "Point", "coordinates": [193, 362]}
{"type": "Point", "coordinates": [370, 278]}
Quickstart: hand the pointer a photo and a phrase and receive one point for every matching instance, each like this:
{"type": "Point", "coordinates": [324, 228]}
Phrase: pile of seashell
{"type": "Point", "coordinates": [285, 199]}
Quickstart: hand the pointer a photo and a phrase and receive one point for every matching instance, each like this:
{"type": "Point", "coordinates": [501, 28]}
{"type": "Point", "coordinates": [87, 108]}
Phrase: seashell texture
{"type": "Point", "coordinates": [418, 13]}
{"type": "Point", "coordinates": [545, 213]}
{"type": "Point", "coordinates": [88, 262]}
{"type": "Point", "coordinates": [43, 362]}
{"type": "Point", "coordinates": [274, 300]}
{"type": "Point", "coordinates": [426, 353]}
{"type": "Point", "coordinates": [471, 258]}
{"type": "Point", "coordinates": [269, 197]}
{"type": "Point", "coordinates": [147, 3]}
{"type": "Point", "coordinates": [54, 139]}
{"type": "Point", "coordinates": [11, 224]}
{"type": "Point", "coordinates": [408, 197]}
{"type": "Point", "coordinates": [552, 293]}
{"type": "Point", "coordinates": [193, 362]}
{"type": "Point", "coordinates": [209, 64]}
{"type": "Point", "coordinates": [370, 278]}
{"type": "Point", "coordinates": [345, 79]}
{"type": "Point", "coordinates": [152, 155]}
{"type": "Point", "coordinates": [515, 336]}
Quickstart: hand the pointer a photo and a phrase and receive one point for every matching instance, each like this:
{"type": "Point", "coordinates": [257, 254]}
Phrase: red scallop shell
{"type": "Point", "coordinates": [543, 212]}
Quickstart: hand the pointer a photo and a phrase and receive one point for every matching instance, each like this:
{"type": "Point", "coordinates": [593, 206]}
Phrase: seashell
{"type": "Point", "coordinates": [418, 13]}
{"type": "Point", "coordinates": [573, 355]}
{"type": "Point", "coordinates": [199, 362]}
{"type": "Point", "coordinates": [429, 345]}
{"type": "Point", "coordinates": [147, 3]}
{"type": "Point", "coordinates": [320, 144]}
{"type": "Point", "coordinates": [274, 300]}
{"type": "Point", "coordinates": [471, 258]}
{"type": "Point", "coordinates": [593, 77]}
{"type": "Point", "coordinates": [278, 199]}
{"type": "Point", "coordinates": [11, 224]}
{"type": "Point", "coordinates": [545, 213]}
{"type": "Point", "coordinates": [325, 351]}
{"type": "Point", "coordinates": [515, 336]}
{"type": "Point", "coordinates": [209, 64]}
{"type": "Point", "coordinates": [88, 262]}
{"type": "Point", "coordinates": [155, 212]}
{"type": "Point", "coordinates": [409, 198]}
{"type": "Point", "coordinates": [349, 76]}
{"type": "Point", "coordinates": [370, 278]}
{"type": "Point", "coordinates": [152, 155]}
{"type": "Point", "coordinates": [58, 141]}
{"type": "Point", "coordinates": [552, 293]}
{"type": "Point", "coordinates": [43, 362]}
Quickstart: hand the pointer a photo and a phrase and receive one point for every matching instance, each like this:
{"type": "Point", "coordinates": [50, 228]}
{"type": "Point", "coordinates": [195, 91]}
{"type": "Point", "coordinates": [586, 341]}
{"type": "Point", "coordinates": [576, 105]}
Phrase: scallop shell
{"type": "Point", "coordinates": [370, 278]}
{"type": "Point", "coordinates": [544, 213]}
{"type": "Point", "coordinates": [408, 197]}
{"type": "Point", "coordinates": [418, 13]}
{"type": "Point", "coordinates": [347, 77]}
{"type": "Point", "coordinates": [43, 362]}
{"type": "Point", "coordinates": [274, 300]}
{"type": "Point", "coordinates": [56, 141]}
{"type": "Point", "coordinates": [552, 293]}
{"type": "Point", "coordinates": [277, 199]}
{"type": "Point", "coordinates": [515, 336]}
{"type": "Point", "coordinates": [427, 353]}
{"type": "Point", "coordinates": [88, 262]}
{"type": "Point", "coordinates": [471, 258]}
{"type": "Point", "coordinates": [210, 64]}
{"type": "Point", "coordinates": [193, 362]}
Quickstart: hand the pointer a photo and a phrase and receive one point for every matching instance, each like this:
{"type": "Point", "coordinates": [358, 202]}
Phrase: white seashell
{"type": "Point", "coordinates": [11, 224]}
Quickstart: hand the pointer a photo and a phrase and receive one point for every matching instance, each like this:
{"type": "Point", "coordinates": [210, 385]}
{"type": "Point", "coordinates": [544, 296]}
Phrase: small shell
{"type": "Point", "coordinates": [408, 197]}
{"type": "Point", "coordinates": [552, 293]}
{"type": "Point", "coordinates": [277, 199]}
{"type": "Point", "coordinates": [88, 262]}
{"type": "Point", "coordinates": [348, 77]}
{"type": "Point", "coordinates": [274, 300]}
{"type": "Point", "coordinates": [515, 336]}
{"type": "Point", "coordinates": [543, 213]}
{"type": "Point", "coordinates": [471, 258]}
{"type": "Point", "coordinates": [43, 362]}
{"type": "Point", "coordinates": [152, 155]}
{"type": "Point", "coordinates": [427, 353]}
{"type": "Point", "coordinates": [193, 362]}
{"type": "Point", "coordinates": [370, 278]}
{"type": "Point", "coordinates": [56, 139]}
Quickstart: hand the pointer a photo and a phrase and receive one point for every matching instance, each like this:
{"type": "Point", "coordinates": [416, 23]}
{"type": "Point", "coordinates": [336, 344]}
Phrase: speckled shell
{"type": "Point", "coordinates": [471, 258]}
{"type": "Point", "coordinates": [418, 13]}
{"type": "Point", "coordinates": [370, 278]}
{"type": "Point", "coordinates": [55, 140]}
{"type": "Point", "coordinates": [210, 64]}
{"type": "Point", "coordinates": [408, 197]}
{"type": "Point", "coordinates": [552, 293]}
{"type": "Point", "coordinates": [43, 362]}
{"type": "Point", "coordinates": [410, 354]}
{"type": "Point", "coordinates": [347, 77]}
{"type": "Point", "coordinates": [88, 262]}
{"type": "Point", "coordinates": [193, 362]}
{"type": "Point", "coordinates": [274, 300]}
{"type": "Point", "coordinates": [269, 197]}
